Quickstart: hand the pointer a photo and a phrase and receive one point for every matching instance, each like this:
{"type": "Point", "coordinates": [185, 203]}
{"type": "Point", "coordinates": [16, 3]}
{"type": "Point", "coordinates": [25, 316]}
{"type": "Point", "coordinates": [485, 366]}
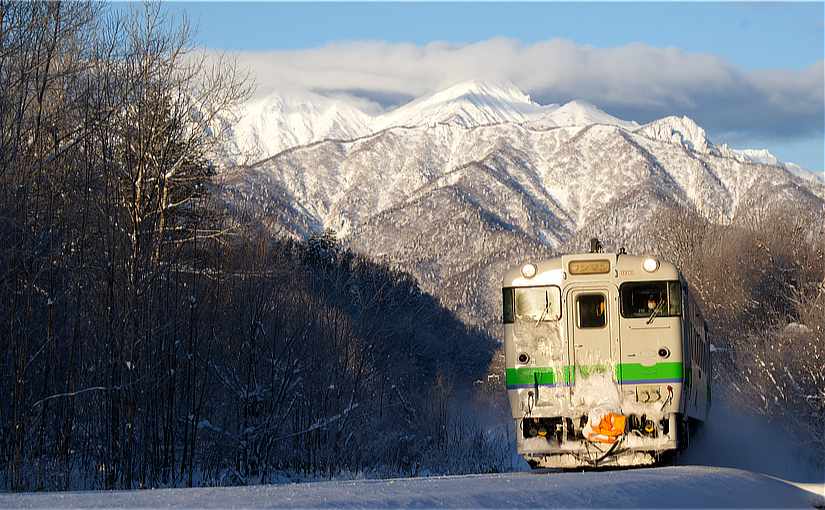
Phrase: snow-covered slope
{"type": "Point", "coordinates": [279, 121]}
{"type": "Point", "coordinates": [762, 156]}
{"type": "Point", "coordinates": [670, 487]}
{"type": "Point", "coordinates": [804, 173]}
{"type": "Point", "coordinates": [685, 132]}
{"type": "Point", "coordinates": [577, 113]}
{"type": "Point", "coordinates": [765, 157]}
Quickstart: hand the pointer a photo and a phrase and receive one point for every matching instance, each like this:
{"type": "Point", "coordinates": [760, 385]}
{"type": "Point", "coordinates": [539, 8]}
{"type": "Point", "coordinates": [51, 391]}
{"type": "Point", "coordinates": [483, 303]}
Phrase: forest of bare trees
{"type": "Point", "coordinates": [149, 338]}
{"type": "Point", "coordinates": [761, 281]}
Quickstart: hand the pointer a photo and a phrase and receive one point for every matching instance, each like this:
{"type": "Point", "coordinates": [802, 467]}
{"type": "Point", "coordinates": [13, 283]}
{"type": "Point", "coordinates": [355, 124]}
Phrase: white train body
{"type": "Point", "coordinates": [607, 359]}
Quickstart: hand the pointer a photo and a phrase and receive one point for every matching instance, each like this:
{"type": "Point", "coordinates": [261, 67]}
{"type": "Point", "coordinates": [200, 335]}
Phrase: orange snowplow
{"type": "Point", "coordinates": [609, 428]}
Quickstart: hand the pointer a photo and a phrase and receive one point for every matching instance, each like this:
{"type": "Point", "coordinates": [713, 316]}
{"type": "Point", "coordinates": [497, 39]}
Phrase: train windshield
{"type": "Point", "coordinates": [644, 299]}
{"type": "Point", "coordinates": [532, 304]}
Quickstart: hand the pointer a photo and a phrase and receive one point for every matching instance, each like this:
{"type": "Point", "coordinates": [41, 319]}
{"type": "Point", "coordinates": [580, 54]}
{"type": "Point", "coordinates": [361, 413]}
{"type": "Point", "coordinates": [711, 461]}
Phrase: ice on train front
{"type": "Point", "coordinates": [596, 365]}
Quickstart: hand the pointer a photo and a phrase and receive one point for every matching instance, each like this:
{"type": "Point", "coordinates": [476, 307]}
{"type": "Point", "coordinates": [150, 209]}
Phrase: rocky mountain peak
{"type": "Point", "coordinates": [681, 131]}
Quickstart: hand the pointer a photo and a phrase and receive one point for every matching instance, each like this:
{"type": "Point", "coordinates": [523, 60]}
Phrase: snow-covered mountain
{"type": "Point", "coordinates": [479, 176]}
{"type": "Point", "coordinates": [764, 157]}
{"type": "Point", "coordinates": [466, 104]}
{"type": "Point", "coordinates": [266, 126]}
{"type": "Point", "coordinates": [282, 120]}
{"type": "Point", "coordinates": [576, 113]}
{"type": "Point", "coordinates": [681, 131]}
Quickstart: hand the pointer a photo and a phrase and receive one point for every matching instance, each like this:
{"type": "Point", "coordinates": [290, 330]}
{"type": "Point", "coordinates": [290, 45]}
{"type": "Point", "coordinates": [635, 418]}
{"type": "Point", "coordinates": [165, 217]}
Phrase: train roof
{"type": "Point", "coordinates": [590, 267]}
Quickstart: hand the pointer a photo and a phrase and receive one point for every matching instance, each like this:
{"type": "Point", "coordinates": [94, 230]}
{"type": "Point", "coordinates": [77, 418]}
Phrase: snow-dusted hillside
{"type": "Point", "coordinates": [459, 184]}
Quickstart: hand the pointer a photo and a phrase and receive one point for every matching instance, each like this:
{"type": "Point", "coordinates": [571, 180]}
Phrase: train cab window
{"type": "Point", "coordinates": [643, 299]}
{"type": "Point", "coordinates": [592, 310]}
{"type": "Point", "coordinates": [532, 304]}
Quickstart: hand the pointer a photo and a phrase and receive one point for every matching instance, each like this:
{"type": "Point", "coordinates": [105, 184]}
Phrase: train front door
{"type": "Point", "coordinates": [591, 332]}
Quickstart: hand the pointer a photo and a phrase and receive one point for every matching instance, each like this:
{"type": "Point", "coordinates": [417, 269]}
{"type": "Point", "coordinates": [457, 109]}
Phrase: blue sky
{"type": "Point", "coordinates": [747, 39]}
{"type": "Point", "coordinates": [753, 35]}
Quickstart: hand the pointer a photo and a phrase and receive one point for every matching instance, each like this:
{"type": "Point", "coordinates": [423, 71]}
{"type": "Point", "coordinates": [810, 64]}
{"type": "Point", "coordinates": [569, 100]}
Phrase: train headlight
{"type": "Point", "coordinates": [523, 358]}
{"type": "Point", "coordinates": [650, 265]}
{"type": "Point", "coordinates": [528, 271]}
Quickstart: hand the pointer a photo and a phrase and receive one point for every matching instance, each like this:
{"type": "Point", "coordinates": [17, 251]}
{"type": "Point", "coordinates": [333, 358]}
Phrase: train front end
{"type": "Point", "coordinates": [593, 350]}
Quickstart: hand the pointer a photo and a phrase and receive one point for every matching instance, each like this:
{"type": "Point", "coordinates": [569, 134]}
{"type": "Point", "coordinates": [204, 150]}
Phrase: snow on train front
{"type": "Point", "coordinates": [603, 359]}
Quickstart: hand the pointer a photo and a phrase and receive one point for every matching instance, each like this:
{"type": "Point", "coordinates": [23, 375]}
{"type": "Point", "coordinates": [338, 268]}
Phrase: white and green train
{"type": "Point", "coordinates": [607, 359]}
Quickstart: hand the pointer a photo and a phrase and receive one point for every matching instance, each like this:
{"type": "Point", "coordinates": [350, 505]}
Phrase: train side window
{"type": "Point", "coordinates": [704, 356]}
{"type": "Point", "coordinates": [592, 310]}
{"type": "Point", "coordinates": [696, 340]}
{"type": "Point", "coordinates": [692, 344]}
{"type": "Point", "coordinates": [674, 295]}
{"type": "Point", "coordinates": [693, 350]}
{"type": "Point", "coordinates": [707, 346]}
{"type": "Point", "coordinates": [707, 356]}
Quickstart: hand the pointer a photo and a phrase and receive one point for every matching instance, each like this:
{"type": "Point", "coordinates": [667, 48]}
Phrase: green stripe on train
{"type": "Point", "coordinates": [540, 375]}
{"type": "Point", "coordinates": [628, 372]}
{"type": "Point", "coordinates": [625, 372]}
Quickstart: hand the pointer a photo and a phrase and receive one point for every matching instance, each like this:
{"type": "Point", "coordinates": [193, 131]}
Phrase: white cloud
{"type": "Point", "coordinates": [635, 81]}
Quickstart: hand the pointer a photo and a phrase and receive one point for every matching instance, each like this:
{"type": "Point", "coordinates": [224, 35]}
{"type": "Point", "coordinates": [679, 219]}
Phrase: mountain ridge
{"type": "Point", "coordinates": [454, 204]}
{"type": "Point", "coordinates": [267, 126]}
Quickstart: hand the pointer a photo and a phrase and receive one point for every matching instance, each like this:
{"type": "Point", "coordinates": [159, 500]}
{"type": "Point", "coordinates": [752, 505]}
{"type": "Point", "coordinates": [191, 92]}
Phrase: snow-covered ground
{"type": "Point", "coordinates": [736, 460]}
{"type": "Point", "coordinates": [682, 486]}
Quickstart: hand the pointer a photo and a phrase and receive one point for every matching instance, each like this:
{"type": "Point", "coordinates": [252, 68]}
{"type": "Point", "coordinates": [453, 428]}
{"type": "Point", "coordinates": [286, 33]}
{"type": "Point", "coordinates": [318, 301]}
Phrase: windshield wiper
{"type": "Point", "coordinates": [546, 307]}
{"type": "Point", "coordinates": [655, 311]}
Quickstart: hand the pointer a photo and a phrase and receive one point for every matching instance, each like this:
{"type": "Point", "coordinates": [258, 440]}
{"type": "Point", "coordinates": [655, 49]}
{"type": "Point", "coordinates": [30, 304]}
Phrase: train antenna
{"type": "Point", "coordinates": [595, 245]}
